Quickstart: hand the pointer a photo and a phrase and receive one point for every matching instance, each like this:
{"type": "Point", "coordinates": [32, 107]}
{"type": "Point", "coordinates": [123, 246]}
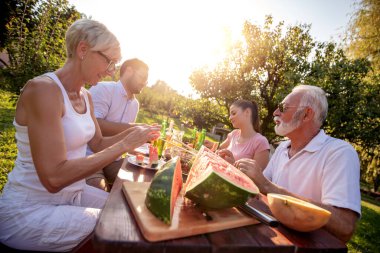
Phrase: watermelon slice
{"type": "Point", "coordinates": [213, 183]}
{"type": "Point", "coordinates": [164, 190]}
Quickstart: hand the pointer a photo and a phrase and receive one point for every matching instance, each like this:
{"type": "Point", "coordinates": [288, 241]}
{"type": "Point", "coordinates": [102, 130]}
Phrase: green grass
{"type": "Point", "coordinates": [8, 149]}
{"type": "Point", "coordinates": [365, 239]}
{"type": "Point", "coordinates": [367, 234]}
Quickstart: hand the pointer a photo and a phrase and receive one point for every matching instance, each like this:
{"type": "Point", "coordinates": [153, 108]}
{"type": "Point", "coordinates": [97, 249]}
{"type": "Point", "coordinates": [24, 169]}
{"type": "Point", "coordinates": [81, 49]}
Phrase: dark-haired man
{"type": "Point", "coordinates": [116, 108]}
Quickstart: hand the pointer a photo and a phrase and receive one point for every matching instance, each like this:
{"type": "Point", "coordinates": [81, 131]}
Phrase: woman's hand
{"type": "Point", "coordinates": [209, 144]}
{"type": "Point", "coordinates": [226, 155]}
{"type": "Point", "coordinates": [139, 135]}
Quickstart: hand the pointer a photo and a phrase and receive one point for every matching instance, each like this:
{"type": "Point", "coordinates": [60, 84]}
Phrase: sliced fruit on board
{"type": "Point", "coordinates": [297, 214]}
{"type": "Point", "coordinates": [213, 183]}
{"type": "Point", "coordinates": [164, 190]}
{"type": "Point", "coordinates": [139, 159]}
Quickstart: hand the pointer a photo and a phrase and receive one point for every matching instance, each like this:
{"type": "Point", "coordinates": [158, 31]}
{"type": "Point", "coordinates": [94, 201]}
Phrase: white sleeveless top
{"type": "Point", "coordinates": [23, 182]}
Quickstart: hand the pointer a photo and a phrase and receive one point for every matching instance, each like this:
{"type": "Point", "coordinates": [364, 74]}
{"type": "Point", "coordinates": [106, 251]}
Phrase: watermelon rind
{"type": "Point", "coordinates": [214, 191]}
{"type": "Point", "coordinates": [158, 197]}
{"type": "Point", "coordinates": [214, 184]}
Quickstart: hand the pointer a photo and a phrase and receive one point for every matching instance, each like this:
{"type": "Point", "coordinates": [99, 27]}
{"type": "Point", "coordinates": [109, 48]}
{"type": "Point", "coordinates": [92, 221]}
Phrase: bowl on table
{"type": "Point", "coordinates": [297, 214]}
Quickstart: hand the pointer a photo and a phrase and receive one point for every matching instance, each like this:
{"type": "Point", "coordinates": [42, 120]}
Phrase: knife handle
{"type": "Point", "coordinates": [259, 215]}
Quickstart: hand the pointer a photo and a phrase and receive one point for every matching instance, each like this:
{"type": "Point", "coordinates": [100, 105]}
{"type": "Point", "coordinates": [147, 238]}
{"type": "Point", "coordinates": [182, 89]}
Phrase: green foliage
{"type": "Point", "coordinates": [8, 149]}
{"type": "Point", "coordinates": [204, 113]}
{"type": "Point", "coordinates": [367, 232]}
{"type": "Point", "coordinates": [354, 110]}
{"type": "Point", "coordinates": [364, 42]}
{"type": "Point", "coordinates": [160, 98]}
{"type": "Point", "coordinates": [272, 60]}
{"type": "Point", "coordinates": [364, 33]}
{"type": "Point", "coordinates": [370, 164]}
{"type": "Point", "coordinates": [36, 40]}
{"type": "Point", "coordinates": [353, 113]}
{"type": "Point", "coordinates": [218, 83]}
{"type": "Point", "coordinates": [264, 68]}
{"type": "Point", "coordinates": [7, 11]}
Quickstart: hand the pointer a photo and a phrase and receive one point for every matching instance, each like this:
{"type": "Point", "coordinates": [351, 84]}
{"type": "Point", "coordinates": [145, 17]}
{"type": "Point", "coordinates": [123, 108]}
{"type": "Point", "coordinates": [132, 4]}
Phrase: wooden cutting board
{"type": "Point", "coordinates": [187, 220]}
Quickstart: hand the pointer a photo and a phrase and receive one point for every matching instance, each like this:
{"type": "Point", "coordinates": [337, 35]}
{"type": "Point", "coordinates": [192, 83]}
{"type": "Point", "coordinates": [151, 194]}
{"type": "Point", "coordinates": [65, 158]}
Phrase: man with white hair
{"type": "Point", "coordinates": [311, 165]}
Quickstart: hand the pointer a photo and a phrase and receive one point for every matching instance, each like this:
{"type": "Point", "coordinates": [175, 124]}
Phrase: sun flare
{"type": "Point", "coordinates": [174, 37]}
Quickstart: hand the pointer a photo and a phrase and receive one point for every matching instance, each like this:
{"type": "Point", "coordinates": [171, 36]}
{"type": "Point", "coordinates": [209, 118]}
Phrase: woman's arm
{"type": "Point", "coordinates": [41, 107]}
{"type": "Point", "coordinates": [224, 144]}
{"type": "Point", "coordinates": [110, 128]}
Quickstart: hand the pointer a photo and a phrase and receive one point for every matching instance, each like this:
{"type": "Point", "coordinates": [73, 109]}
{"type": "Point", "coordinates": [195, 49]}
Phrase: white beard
{"type": "Point", "coordinates": [283, 129]}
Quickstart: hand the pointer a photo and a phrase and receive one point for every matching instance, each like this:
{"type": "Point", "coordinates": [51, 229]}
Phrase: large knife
{"type": "Point", "coordinates": [259, 215]}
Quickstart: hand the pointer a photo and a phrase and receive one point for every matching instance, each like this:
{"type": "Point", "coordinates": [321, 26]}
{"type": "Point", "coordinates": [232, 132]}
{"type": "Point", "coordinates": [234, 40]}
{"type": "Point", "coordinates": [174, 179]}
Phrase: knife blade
{"type": "Point", "coordinates": [259, 215]}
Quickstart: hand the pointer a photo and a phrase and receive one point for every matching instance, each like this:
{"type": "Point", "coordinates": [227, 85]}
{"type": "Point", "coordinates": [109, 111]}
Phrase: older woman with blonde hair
{"type": "Point", "coordinates": [46, 204]}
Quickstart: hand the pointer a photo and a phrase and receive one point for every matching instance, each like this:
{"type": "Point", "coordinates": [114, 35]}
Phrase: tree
{"type": "Point", "coordinates": [203, 113]}
{"type": "Point", "coordinates": [161, 99]}
{"type": "Point", "coordinates": [350, 96]}
{"type": "Point", "coordinates": [271, 61]}
{"type": "Point", "coordinates": [222, 84]}
{"type": "Point", "coordinates": [354, 110]}
{"type": "Point", "coordinates": [264, 68]}
{"type": "Point", "coordinates": [364, 33]}
{"type": "Point", "coordinates": [35, 39]}
{"type": "Point", "coordinates": [9, 10]}
{"type": "Point", "coordinates": [364, 42]}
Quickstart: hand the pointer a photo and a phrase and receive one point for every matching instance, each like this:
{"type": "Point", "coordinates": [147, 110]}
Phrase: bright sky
{"type": "Point", "coordinates": [176, 36]}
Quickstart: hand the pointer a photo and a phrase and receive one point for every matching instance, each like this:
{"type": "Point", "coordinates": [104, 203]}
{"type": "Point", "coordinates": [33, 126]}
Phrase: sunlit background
{"type": "Point", "coordinates": [174, 37]}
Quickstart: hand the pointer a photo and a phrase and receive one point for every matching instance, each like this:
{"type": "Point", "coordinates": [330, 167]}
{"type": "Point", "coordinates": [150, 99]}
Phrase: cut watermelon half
{"type": "Point", "coordinates": [213, 183]}
{"type": "Point", "coordinates": [164, 190]}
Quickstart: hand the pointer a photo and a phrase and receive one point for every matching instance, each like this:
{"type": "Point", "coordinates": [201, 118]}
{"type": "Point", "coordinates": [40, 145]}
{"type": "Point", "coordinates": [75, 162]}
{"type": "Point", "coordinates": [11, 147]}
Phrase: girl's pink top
{"type": "Point", "coordinates": [249, 148]}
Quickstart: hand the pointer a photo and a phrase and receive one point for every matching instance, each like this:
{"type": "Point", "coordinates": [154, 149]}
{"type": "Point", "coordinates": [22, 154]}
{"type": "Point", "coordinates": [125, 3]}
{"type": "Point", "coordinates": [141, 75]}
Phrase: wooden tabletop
{"type": "Point", "coordinates": [117, 231]}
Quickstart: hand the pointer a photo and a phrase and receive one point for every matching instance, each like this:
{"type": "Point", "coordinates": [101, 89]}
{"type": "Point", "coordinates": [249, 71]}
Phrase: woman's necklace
{"type": "Point", "coordinates": [76, 101]}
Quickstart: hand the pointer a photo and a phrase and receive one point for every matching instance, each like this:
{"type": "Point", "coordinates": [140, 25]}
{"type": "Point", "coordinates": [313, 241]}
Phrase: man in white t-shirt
{"type": "Point", "coordinates": [116, 108]}
{"type": "Point", "coordinates": [311, 165]}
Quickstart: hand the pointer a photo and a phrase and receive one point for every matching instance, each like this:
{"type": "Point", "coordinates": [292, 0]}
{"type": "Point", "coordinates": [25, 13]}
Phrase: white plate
{"type": "Point", "coordinates": [143, 149]}
{"type": "Point", "coordinates": [145, 164]}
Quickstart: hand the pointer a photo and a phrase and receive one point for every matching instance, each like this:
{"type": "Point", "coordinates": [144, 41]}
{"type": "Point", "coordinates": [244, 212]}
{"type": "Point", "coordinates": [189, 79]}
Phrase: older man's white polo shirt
{"type": "Point", "coordinates": [327, 170]}
{"type": "Point", "coordinates": [111, 103]}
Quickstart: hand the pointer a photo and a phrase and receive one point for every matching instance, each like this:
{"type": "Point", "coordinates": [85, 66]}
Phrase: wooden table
{"type": "Point", "coordinates": [117, 231]}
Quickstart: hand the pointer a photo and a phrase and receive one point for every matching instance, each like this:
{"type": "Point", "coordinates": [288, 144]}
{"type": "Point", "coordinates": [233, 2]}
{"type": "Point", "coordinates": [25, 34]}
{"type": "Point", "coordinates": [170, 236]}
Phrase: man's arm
{"type": "Point", "coordinates": [342, 222]}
